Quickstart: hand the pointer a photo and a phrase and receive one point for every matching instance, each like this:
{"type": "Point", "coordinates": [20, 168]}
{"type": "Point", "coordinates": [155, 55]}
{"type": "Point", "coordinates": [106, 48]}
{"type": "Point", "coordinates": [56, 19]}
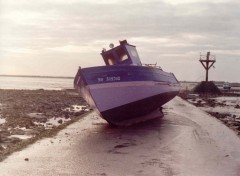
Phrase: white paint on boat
{"type": "Point", "coordinates": [112, 95]}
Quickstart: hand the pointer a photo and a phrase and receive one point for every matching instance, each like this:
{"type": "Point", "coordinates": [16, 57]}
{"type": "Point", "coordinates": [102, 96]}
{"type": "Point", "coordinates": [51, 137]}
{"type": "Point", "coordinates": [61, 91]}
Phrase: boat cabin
{"type": "Point", "coordinates": [124, 54]}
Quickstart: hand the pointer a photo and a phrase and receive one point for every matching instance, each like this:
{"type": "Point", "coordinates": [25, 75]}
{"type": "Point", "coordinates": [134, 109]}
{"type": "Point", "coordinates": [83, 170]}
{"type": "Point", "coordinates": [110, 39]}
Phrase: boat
{"type": "Point", "coordinates": [124, 91]}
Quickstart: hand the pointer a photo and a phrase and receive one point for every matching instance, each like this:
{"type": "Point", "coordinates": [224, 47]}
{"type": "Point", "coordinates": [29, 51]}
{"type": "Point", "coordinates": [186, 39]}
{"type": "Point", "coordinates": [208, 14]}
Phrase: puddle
{"type": "Point", "coordinates": [21, 128]}
{"type": "Point", "coordinates": [21, 136]}
{"type": "Point", "coordinates": [223, 105]}
{"type": "Point", "coordinates": [226, 109]}
{"type": "Point", "coordinates": [228, 105]}
{"type": "Point", "coordinates": [2, 121]}
{"type": "Point", "coordinates": [36, 115]}
{"type": "Point", "coordinates": [55, 121]}
{"type": "Point", "coordinates": [77, 108]}
{"type": "Point", "coordinates": [229, 101]}
{"type": "Point", "coordinates": [197, 100]}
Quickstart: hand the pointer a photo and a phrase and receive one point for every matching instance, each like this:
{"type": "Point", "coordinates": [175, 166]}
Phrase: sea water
{"type": "Point", "coordinates": [32, 83]}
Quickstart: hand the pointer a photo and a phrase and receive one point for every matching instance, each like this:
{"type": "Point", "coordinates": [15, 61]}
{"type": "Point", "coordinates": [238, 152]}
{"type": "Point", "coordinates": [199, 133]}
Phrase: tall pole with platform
{"type": "Point", "coordinates": [207, 62]}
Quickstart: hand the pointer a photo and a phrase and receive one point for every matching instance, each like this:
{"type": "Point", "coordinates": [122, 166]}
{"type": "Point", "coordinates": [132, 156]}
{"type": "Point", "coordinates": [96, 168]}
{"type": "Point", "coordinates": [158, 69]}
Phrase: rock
{"type": "Point", "coordinates": [237, 106]}
{"type": "Point", "coordinates": [60, 121]}
{"type": "Point", "coordinates": [66, 115]}
{"type": "Point", "coordinates": [78, 113]}
{"type": "Point", "coordinates": [4, 133]}
{"type": "Point", "coordinates": [1, 148]}
{"type": "Point", "coordinates": [14, 140]}
{"type": "Point", "coordinates": [43, 120]}
{"type": "Point", "coordinates": [206, 88]}
{"type": "Point", "coordinates": [17, 132]}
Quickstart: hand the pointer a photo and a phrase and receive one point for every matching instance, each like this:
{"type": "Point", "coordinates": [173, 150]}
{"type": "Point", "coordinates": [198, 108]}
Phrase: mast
{"type": "Point", "coordinates": [207, 62]}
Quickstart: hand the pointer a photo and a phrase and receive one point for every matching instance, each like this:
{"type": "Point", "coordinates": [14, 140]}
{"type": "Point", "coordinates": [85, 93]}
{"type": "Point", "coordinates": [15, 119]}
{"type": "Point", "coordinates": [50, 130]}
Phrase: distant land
{"type": "Point", "coordinates": [217, 83]}
{"type": "Point", "coordinates": [36, 76]}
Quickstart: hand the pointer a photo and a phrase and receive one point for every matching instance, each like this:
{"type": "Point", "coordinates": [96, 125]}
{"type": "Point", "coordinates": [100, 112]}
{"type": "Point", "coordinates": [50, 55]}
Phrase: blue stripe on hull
{"type": "Point", "coordinates": [107, 74]}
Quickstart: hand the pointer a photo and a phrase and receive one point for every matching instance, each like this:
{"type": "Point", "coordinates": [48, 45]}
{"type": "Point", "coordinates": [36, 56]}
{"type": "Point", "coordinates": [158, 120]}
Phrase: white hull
{"type": "Point", "coordinates": [112, 95]}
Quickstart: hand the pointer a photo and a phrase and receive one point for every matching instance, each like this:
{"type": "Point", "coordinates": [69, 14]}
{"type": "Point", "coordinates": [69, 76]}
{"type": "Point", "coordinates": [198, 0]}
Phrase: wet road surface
{"type": "Point", "coordinates": [186, 142]}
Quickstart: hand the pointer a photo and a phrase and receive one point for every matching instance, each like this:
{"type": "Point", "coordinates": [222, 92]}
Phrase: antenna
{"type": "Point", "coordinates": [104, 50]}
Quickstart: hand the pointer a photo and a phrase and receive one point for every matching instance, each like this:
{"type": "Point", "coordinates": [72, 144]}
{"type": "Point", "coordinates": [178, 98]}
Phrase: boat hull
{"type": "Point", "coordinates": [126, 97]}
{"type": "Point", "coordinates": [136, 109]}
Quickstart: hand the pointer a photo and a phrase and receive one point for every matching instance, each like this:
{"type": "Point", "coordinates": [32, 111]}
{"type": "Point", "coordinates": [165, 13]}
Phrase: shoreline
{"type": "Point", "coordinates": [38, 76]}
{"type": "Point", "coordinates": [29, 115]}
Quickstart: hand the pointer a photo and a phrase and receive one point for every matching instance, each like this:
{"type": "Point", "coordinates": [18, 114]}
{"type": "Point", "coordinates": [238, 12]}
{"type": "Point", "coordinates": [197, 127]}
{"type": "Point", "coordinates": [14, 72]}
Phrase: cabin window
{"type": "Point", "coordinates": [134, 52]}
{"type": "Point", "coordinates": [111, 61]}
{"type": "Point", "coordinates": [122, 55]}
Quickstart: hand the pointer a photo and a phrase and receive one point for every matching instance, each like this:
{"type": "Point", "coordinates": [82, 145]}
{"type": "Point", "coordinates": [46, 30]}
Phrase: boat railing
{"type": "Point", "coordinates": [153, 65]}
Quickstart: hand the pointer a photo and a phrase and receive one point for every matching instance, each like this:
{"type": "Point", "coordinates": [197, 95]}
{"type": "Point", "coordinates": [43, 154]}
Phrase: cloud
{"type": "Point", "coordinates": [171, 32]}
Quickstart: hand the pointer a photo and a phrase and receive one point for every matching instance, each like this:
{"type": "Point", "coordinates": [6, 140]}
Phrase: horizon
{"type": "Point", "coordinates": [72, 77]}
{"type": "Point", "coordinates": [40, 76]}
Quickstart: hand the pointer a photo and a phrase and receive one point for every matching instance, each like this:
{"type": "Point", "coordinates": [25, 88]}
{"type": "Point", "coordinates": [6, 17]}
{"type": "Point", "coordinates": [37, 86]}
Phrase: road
{"type": "Point", "coordinates": [185, 142]}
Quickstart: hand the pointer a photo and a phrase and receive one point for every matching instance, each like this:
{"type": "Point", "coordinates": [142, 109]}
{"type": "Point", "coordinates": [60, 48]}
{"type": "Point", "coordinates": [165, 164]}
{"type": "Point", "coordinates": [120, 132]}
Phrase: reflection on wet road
{"type": "Point", "coordinates": [186, 141]}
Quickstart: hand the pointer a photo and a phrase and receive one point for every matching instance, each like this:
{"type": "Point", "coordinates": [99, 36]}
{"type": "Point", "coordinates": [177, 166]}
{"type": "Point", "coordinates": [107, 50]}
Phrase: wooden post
{"type": "Point", "coordinates": [207, 62]}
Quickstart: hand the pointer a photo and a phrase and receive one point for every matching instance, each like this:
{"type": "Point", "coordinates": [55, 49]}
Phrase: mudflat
{"type": "Point", "coordinates": [29, 115]}
{"type": "Point", "coordinates": [225, 106]}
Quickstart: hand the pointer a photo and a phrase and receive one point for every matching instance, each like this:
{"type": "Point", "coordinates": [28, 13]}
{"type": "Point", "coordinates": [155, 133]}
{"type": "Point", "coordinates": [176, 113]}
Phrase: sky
{"type": "Point", "coordinates": [55, 37]}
